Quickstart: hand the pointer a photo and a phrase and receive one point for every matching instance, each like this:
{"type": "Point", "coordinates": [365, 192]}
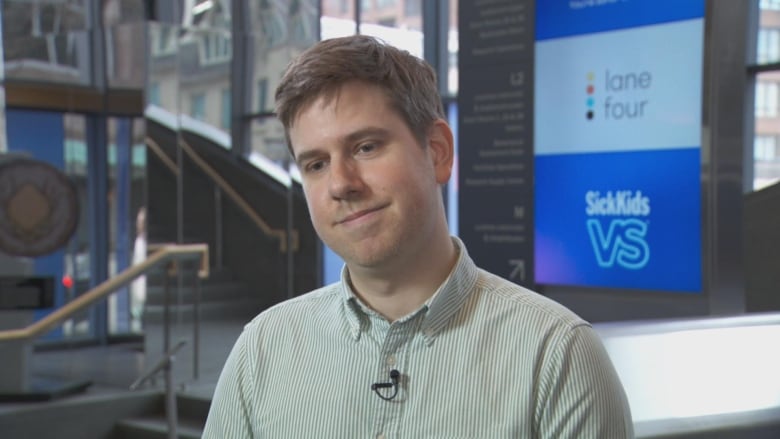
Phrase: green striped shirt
{"type": "Point", "coordinates": [484, 358]}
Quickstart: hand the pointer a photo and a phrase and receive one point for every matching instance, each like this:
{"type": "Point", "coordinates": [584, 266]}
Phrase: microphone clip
{"type": "Point", "coordinates": [394, 374]}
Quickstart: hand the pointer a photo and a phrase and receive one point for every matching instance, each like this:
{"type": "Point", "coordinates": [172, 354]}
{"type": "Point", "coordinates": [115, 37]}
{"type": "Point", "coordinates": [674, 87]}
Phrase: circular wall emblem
{"type": "Point", "coordinates": [38, 208]}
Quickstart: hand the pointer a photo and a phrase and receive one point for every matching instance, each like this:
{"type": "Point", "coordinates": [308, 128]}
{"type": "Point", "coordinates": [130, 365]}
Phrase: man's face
{"type": "Point", "coordinates": [372, 189]}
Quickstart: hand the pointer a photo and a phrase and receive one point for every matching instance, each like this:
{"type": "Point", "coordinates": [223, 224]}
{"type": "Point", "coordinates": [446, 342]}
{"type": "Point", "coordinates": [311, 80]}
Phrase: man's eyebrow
{"type": "Point", "coordinates": [348, 139]}
{"type": "Point", "coordinates": [306, 155]}
{"type": "Point", "coordinates": [363, 133]}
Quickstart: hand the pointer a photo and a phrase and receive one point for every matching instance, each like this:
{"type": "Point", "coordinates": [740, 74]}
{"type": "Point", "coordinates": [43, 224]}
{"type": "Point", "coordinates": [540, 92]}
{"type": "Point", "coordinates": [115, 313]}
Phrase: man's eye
{"type": "Point", "coordinates": [315, 166]}
{"type": "Point", "coordinates": [366, 148]}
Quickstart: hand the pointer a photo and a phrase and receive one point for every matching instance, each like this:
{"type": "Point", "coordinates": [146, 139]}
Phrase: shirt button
{"type": "Point", "coordinates": [391, 360]}
{"type": "Point", "coordinates": [380, 436]}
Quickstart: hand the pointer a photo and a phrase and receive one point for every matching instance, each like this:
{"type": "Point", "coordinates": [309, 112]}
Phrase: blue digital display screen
{"type": "Point", "coordinates": [617, 144]}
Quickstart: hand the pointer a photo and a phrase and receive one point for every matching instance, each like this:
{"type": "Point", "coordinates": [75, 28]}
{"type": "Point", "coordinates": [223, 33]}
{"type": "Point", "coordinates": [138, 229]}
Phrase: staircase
{"type": "Point", "coordinates": [225, 305]}
{"type": "Point", "coordinates": [221, 297]}
{"type": "Point", "coordinates": [192, 412]}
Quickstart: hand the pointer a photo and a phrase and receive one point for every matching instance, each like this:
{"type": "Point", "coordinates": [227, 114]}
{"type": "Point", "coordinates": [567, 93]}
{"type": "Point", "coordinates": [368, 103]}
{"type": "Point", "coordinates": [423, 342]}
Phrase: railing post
{"type": "Point", "coordinates": [170, 400]}
{"type": "Point", "coordinates": [196, 328]}
{"type": "Point", "coordinates": [218, 226]}
{"type": "Point", "coordinates": [167, 309]}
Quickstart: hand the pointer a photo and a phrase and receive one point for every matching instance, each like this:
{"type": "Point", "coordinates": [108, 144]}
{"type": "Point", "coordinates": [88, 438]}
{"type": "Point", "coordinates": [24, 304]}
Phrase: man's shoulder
{"type": "Point", "coordinates": [508, 295]}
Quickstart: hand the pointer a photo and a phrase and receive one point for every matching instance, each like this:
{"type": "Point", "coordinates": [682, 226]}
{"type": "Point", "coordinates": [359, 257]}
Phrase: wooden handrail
{"type": "Point", "coordinates": [158, 151]}
{"type": "Point", "coordinates": [281, 234]}
{"type": "Point", "coordinates": [164, 254]}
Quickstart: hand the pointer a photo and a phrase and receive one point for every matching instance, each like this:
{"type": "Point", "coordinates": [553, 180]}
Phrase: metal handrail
{"type": "Point", "coordinates": [165, 253]}
{"type": "Point", "coordinates": [158, 151]}
{"type": "Point", "coordinates": [167, 359]}
{"type": "Point", "coordinates": [242, 204]}
{"type": "Point", "coordinates": [281, 234]}
{"type": "Point", "coordinates": [165, 364]}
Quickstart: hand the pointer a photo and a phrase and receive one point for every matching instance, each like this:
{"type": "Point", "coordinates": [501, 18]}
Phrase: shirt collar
{"type": "Point", "coordinates": [443, 304]}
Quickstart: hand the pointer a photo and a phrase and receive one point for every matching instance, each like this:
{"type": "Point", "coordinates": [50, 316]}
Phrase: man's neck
{"type": "Point", "coordinates": [394, 292]}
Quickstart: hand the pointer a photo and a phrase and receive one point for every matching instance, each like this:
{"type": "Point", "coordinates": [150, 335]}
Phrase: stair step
{"type": "Point", "coordinates": [156, 427]}
{"type": "Point", "coordinates": [216, 276]}
{"type": "Point", "coordinates": [225, 292]}
{"type": "Point", "coordinates": [242, 308]}
{"type": "Point", "coordinates": [193, 407]}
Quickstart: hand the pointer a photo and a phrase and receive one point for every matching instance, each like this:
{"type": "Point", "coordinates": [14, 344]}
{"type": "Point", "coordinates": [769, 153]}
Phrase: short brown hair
{"type": "Point", "coordinates": [408, 82]}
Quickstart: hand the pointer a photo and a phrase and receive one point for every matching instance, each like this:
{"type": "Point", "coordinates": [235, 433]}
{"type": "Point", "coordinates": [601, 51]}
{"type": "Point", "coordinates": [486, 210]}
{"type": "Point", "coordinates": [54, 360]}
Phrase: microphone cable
{"type": "Point", "coordinates": [394, 374]}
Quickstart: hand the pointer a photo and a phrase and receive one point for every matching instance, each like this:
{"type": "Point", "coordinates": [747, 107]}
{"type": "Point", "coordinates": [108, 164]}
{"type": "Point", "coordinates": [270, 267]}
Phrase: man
{"type": "Point", "coordinates": [415, 341]}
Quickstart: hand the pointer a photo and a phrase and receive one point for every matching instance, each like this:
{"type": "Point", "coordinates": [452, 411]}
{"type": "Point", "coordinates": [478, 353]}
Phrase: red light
{"type": "Point", "coordinates": [67, 281]}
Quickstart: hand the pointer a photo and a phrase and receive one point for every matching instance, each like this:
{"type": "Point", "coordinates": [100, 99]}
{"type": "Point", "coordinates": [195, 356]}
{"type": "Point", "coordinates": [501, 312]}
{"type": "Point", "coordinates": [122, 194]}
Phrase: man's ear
{"type": "Point", "coordinates": [442, 149]}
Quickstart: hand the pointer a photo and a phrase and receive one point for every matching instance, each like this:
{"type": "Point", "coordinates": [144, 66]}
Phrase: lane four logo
{"type": "Point", "coordinates": [623, 96]}
{"type": "Point", "coordinates": [617, 225]}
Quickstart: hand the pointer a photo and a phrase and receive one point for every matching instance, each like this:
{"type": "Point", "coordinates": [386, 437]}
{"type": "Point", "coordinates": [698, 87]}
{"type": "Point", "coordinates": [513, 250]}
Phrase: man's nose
{"type": "Point", "coordinates": [344, 179]}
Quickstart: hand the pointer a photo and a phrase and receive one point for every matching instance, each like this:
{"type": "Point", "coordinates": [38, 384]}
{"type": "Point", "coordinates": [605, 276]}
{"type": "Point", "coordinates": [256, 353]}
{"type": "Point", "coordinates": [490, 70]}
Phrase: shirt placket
{"type": "Point", "coordinates": [388, 411]}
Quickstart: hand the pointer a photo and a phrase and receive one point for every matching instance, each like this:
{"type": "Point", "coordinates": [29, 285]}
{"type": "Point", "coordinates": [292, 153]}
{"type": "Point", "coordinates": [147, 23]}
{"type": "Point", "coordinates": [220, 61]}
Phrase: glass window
{"type": "Point", "coordinates": [766, 151]}
{"type": "Point", "coordinates": [226, 109]}
{"type": "Point", "coordinates": [163, 39]}
{"type": "Point", "coordinates": [198, 106]}
{"type": "Point", "coordinates": [412, 8]}
{"type": "Point", "coordinates": [161, 69]}
{"type": "Point", "coordinates": [770, 4]}
{"type": "Point", "coordinates": [268, 142]}
{"type": "Point", "coordinates": [394, 26]}
{"type": "Point", "coordinates": [337, 8]}
{"type": "Point", "coordinates": [269, 20]}
{"type": "Point", "coordinates": [768, 45]}
{"type": "Point", "coordinates": [766, 99]}
{"type": "Point", "coordinates": [765, 148]}
{"type": "Point", "coordinates": [153, 96]}
{"type": "Point", "coordinates": [215, 48]}
{"type": "Point", "coordinates": [452, 49]}
{"type": "Point", "coordinates": [262, 95]}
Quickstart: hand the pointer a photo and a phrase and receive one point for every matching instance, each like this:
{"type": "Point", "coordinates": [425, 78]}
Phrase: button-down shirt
{"type": "Point", "coordinates": [484, 358]}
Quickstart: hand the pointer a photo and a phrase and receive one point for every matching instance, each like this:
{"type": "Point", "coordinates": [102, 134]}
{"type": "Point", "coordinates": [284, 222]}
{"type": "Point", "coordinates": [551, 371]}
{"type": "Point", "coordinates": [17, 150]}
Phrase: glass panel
{"type": "Point", "coordinates": [50, 58]}
{"type": "Point", "coordinates": [162, 59]}
{"type": "Point", "coordinates": [770, 4]}
{"type": "Point", "coordinates": [47, 41]}
{"type": "Point", "coordinates": [768, 41]}
{"type": "Point", "coordinates": [262, 105]}
{"type": "Point", "coordinates": [127, 220]}
{"type": "Point", "coordinates": [280, 31]}
{"type": "Point", "coordinates": [29, 239]}
{"type": "Point", "coordinates": [36, 18]}
{"type": "Point", "coordinates": [125, 66]}
{"type": "Point", "coordinates": [284, 29]}
{"type": "Point", "coordinates": [198, 106]}
{"type": "Point", "coordinates": [276, 23]}
{"type": "Point", "coordinates": [138, 211]}
{"type": "Point", "coordinates": [338, 19]}
{"type": "Point", "coordinates": [124, 22]}
{"type": "Point", "coordinates": [207, 14]}
{"type": "Point", "coordinates": [226, 110]}
{"type": "Point", "coordinates": [767, 129]}
{"type": "Point", "coordinates": [395, 22]}
{"type": "Point", "coordinates": [3, 141]}
{"type": "Point", "coordinates": [77, 254]}
{"type": "Point", "coordinates": [452, 49]}
{"type": "Point", "coordinates": [204, 68]}
{"type": "Point", "coordinates": [268, 142]}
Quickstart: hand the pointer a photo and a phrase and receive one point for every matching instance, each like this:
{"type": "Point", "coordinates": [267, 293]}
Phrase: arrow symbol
{"type": "Point", "coordinates": [518, 269]}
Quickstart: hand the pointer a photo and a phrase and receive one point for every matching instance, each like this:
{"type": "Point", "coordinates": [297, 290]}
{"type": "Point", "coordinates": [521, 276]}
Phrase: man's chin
{"type": "Point", "coordinates": [366, 258]}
